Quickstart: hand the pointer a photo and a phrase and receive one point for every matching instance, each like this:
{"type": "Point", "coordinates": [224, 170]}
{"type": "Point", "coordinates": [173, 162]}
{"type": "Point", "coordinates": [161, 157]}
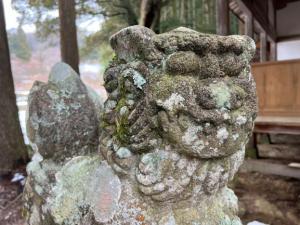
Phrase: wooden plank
{"type": "Point", "coordinates": [282, 62]}
{"type": "Point", "coordinates": [273, 51]}
{"type": "Point", "coordinates": [260, 79]}
{"type": "Point", "coordinates": [285, 139]}
{"type": "Point", "coordinates": [222, 14]}
{"type": "Point", "coordinates": [277, 125]}
{"type": "Point", "coordinates": [279, 151]}
{"type": "Point", "coordinates": [288, 37]}
{"type": "Point", "coordinates": [262, 166]}
{"type": "Point", "coordinates": [278, 88]}
{"type": "Point", "coordinates": [273, 129]}
{"type": "Point", "coordinates": [278, 120]}
{"type": "Point", "coordinates": [295, 165]}
{"type": "Point", "coordinates": [263, 47]}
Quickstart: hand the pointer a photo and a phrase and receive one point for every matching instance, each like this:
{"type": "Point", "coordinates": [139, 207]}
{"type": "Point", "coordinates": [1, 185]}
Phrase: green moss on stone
{"type": "Point", "coordinates": [122, 129]}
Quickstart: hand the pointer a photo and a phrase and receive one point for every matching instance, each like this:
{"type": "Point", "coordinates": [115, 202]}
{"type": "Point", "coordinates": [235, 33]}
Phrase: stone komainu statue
{"type": "Point", "coordinates": [179, 112]}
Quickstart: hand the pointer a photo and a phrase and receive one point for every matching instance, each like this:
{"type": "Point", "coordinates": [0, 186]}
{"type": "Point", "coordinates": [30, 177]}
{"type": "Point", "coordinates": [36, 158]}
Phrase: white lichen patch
{"type": "Point", "coordinates": [236, 160]}
{"type": "Point", "coordinates": [53, 94]}
{"type": "Point", "coordinates": [240, 120]}
{"type": "Point", "coordinates": [191, 134]}
{"type": "Point", "coordinates": [138, 79]}
{"type": "Point", "coordinates": [174, 101]}
{"type": "Point", "coordinates": [130, 102]}
{"type": "Point", "coordinates": [75, 105]}
{"type": "Point", "coordinates": [235, 136]}
{"type": "Point", "coordinates": [226, 116]}
{"type": "Point", "coordinates": [109, 105]}
{"type": "Point", "coordinates": [124, 110]}
{"type": "Point", "coordinates": [34, 218]}
{"type": "Point", "coordinates": [35, 170]}
{"type": "Point", "coordinates": [124, 153]}
{"type": "Point", "coordinates": [61, 107]}
{"type": "Point", "coordinates": [222, 134]}
{"type": "Point", "coordinates": [191, 138]}
{"type": "Point", "coordinates": [130, 210]}
{"type": "Point", "coordinates": [168, 220]}
{"type": "Point", "coordinates": [38, 189]}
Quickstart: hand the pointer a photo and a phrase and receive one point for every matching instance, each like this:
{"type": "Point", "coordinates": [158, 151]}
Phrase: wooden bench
{"type": "Point", "coordinates": [275, 125]}
{"type": "Point", "coordinates": [278, 91]}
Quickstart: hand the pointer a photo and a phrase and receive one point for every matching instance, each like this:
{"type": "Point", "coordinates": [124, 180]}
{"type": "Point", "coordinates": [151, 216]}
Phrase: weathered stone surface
{"type": "Point", "coordinates": [62, 116]}
{"type": "Point", "coordinates": [176, 127]}
{"type": "Point", "coordinates": [179, 112]}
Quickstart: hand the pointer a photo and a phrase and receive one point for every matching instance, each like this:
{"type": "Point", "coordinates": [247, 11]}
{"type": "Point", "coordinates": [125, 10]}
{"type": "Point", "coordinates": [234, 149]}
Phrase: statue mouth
{"type": "Point", "coordinates": [209, 135]}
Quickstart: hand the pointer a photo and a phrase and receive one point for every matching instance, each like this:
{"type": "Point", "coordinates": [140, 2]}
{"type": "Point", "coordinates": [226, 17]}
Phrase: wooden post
{"type": "Point", "coordinates": [249, 25]}
{"type": "Point", "coordinates": [222, 13]}
{"type": "Point", "coordinates": [263, 46]}
{"type": "Point", "coordinates": [273, 51]}
{"type": "Point", "coordinates": [68, 34]}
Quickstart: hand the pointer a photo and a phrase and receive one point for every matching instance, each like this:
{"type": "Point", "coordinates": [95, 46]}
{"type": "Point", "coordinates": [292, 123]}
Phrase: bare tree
{"type": "Point", "coordinates": [12, 147]}
{"type": "Point", "coordinates": [68, 34]}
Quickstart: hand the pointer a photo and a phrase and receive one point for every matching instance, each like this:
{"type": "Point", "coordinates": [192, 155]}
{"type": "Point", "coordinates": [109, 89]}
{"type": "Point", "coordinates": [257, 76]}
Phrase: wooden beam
{"type": "Point", "coordinates": [266, 167]}
{"type": "Point", "coordinates": [288, 37]}
{"type": "Point", "coordinates": [242, 6]}
{"type": "Point", "coordinates": [257, 26]}
{"type": "Point", "coordinates": [273, 51]}
{"type": "Point", "coordinates": [249, 25]}
{"type": "Point", "coordinates": [222, 13]}
{"type": "Point", "coordinates": [263, 47]}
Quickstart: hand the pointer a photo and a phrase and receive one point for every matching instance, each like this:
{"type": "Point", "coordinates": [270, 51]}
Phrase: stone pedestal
{"type": "Point", "coordinates": [179, 112]}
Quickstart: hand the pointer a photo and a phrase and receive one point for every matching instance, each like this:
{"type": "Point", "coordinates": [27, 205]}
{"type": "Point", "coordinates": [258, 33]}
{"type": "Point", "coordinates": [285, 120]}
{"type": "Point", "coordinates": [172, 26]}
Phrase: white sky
{"type": "Point", "coordinates": [11, 16]}
{"type": "Point", "coordinates": [288, 50]}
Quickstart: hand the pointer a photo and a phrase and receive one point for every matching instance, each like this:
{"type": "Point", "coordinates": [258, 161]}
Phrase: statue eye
{"type": "Point", "coordinates": [205, 99]}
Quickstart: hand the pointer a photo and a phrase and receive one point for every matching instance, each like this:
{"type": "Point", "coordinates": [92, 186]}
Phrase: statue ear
{"type": "Point", "coordinates": [133, 42]}
{"type": "Point", "coordinates": [246, 44]}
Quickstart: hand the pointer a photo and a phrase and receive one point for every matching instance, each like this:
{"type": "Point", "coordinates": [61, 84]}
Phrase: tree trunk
{"type": "Point", "coordinates": [68, 34]}
{"type": "Point", "coordinates": [12, 147]}
{"type": "Point", "coordinates": [150, 14]}
{"type": "Point", "coordinates": [186, 13]}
